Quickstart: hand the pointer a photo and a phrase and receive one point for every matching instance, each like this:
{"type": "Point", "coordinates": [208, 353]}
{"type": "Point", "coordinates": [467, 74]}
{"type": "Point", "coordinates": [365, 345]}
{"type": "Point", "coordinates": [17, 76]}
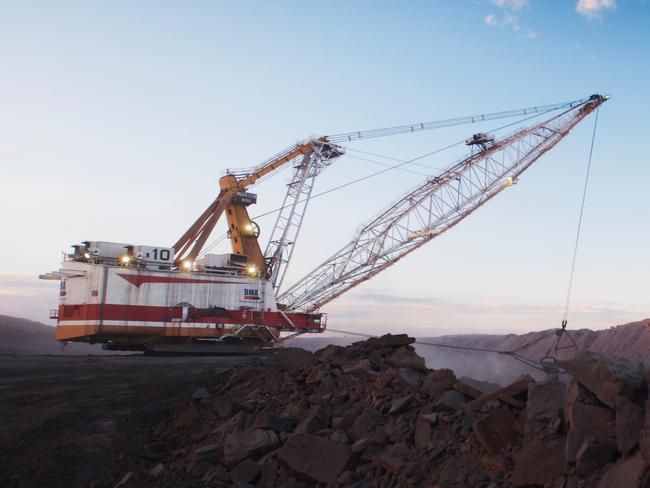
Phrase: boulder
{"type": "Point", "coordinates": [327, 354]}
{"type": "Point", "coordinates": [405, 358]}
{"type": "Point", "coordinates": [450, 401]}
{"type": "Point", "coordinates": [250, 443]}
{"type": "Point", "coordinates": [496, 431]}
{"type": "Point", "coordinates": [513, 395]}
{"type": "Point", "coordinates": [544, 407]}
{"type": "Point", "coordinates": [364, 423]}
{"type": "Point", "coordinates": [627, 473]}
{"type": "Point", "coordinates": [361, 367]}
{"type": "Point", "coordinates": [314, 377]}
{"type": "Point", "coordinates": [630, 418]}
{"type": "Point", "coordinates": [538, 463]}
{"type": "Point", "coordinates": [400, 404]}
{"type": "Point", "coordinates": [435, 382]}
{"type": "Point", "coordinates": [467, 390]}
{"type": "Point", "coordinates": [245, 472]}
{"type": "Point", "coordinates": [423, 429]}
{"type": "Point", "coordinates": [200, 394]}
{"type": "Point", "coordinates": [340, 436]}
{"type": "Point", "coordinates": [395, 458]}
{"type": "Point", "coordinates": [216, 475]}
{"type": "Point", "coordinates": [265, 420]}
{"type": "Point", "coordinates": [644, 440]}
{"type": "Point", "coordinates": [317, 419]}
{"type": "Point", "coordinates": [587, 419]}
{"type": "Point", "coordinates": [361, 445]}
{"type": "Point", "coordinates": [593, 455]}
{"type": "Point", "coordinates": [232, 407]}
{"type": "Point", "coordinates": [210, 453]}
{"type": "Point", "coordinates": [590, 423]}
{"type": "Point", "coordinates": [409, 377]}
{"type": "Point", "coordinates": [397, 340]}
{"type": "Point", "coordinates": [320, 460]}
{"type": "Point", "coordinates": [607, 377]}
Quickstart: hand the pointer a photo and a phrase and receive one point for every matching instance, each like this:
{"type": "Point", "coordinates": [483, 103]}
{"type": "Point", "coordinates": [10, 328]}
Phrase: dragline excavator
{"type": "Point", "coordinates": [178, 299]}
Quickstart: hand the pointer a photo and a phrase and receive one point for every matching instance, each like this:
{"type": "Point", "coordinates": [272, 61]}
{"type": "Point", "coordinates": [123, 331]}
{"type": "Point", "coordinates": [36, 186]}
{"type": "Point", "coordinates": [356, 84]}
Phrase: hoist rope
{"type": "Point", "coordinates": [577, 239]}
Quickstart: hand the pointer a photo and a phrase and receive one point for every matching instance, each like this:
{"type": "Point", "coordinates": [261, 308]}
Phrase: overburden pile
{"type": "Point", "coordinates": [372, 415]}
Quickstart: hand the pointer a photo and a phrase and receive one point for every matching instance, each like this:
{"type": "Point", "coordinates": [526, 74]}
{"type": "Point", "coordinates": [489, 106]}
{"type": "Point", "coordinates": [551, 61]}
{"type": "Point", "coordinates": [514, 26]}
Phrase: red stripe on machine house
{"type": "Point", "coordinates": [137, 280]}
{"type": "Point", "coordinates": [146, 313]}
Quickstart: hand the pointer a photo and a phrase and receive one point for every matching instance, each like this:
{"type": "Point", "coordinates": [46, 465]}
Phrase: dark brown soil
{"type": "Point", "coordinates": [82, 421]}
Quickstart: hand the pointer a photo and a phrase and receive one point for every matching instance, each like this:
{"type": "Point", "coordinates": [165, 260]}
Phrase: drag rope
{"type": "Point", "coordinates": [513, 354]}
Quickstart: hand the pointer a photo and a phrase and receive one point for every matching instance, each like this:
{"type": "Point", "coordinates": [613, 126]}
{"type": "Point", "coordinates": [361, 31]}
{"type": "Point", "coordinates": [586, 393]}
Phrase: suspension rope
{"type": "Point", "coordinates": [402, 129]}
{"type": "Point", "coordinates": [401, 163]}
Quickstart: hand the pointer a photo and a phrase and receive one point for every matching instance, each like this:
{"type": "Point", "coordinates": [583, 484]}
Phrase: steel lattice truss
{"type": "Point", "coordinates": [432, 208]}
{"type": "Point", "coordinates": [289, 220]}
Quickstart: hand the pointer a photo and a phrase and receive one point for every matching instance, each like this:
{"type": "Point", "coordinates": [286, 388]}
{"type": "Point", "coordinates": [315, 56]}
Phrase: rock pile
{"type": "Point", "coordinates": [372, 415]}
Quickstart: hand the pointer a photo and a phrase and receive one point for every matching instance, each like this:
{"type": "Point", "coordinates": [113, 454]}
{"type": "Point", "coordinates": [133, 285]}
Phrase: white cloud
{"type": "Point", "coordinates": [513, 5]}
{"type": "Point", "coordinates": [506, 20]}
{"type": "Point", "coordinates": [532, 35]}
{"type": "Point", "coordinates": [510, 20]}
{"type": "Point", "coordinates": [491, 19]}
{"type": "Point", "coordinates": [593, 9]}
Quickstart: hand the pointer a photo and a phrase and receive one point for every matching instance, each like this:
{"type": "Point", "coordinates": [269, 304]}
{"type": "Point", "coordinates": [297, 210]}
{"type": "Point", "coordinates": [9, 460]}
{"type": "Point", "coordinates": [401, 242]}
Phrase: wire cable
{"type": "Point", "coordinates": [402, 129]}
{"type": "Point", "coordinates": [577, 239]}
{"type": "Point", "coordinates": [522, 359]}
{"type": "Point", "coordinates": [390, 168]}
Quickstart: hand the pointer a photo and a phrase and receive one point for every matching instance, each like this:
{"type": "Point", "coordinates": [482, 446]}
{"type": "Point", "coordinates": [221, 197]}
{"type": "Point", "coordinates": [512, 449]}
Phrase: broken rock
{"type": "Point", "coordinates": [361, 367]}
{"type": "Point", "coordinates": [400, 404]}
{"type": "Point", "coordinates": [607, 377]}
{"type": "Point", "coordinates": [588, 420]}
{"type": "Point", "coordinates": [496, 431]}
{"type": "Point", "coordinates": [265, 420]}
{"type": "Point", "coordinates": [208, 453]}
{"type": "Point", "coordinates": [397, 340]}
{"type": "Point", "coordinates": [245, 472]}
{"type": "Point", "coordinates": [248, 444]}
{"type": "Point", "coordinates": [200, 394]}
{"type": "Point", "coordinates": [627, 473]}
{"type": "Point", "coordinates": [538, 463]}
{"type": "Point", "coordinates": [405, 358]}
{"type": "Point", "coordinates": [317, 419]}
{"type": "Point", "coordinates": [450, 401]}
{"type": "Point", "coordinates": [592, 455]}
{"type": "Point", "coordinates": [544, 406]}
{"type": "Point", "coordinates": [630, 418]}
{"type": "Point", "coordinates": [423, 428]}
{"type": "Point", "coordinates": [318, 459]}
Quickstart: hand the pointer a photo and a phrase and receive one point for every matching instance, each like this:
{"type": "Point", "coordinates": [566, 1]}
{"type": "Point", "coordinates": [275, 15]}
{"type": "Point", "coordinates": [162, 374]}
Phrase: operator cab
{"type": "Point", "coordinates": [480, 139]}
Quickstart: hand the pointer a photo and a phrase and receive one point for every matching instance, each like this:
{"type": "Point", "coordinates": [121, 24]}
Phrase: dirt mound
{"type": "Point", "coordinates": [372, 415]}
{"type": "Point", "coordinates": [22, 337]}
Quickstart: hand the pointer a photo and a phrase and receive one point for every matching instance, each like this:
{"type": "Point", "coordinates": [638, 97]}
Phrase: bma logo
{"type": "Point", "coordinates": [251, 294]}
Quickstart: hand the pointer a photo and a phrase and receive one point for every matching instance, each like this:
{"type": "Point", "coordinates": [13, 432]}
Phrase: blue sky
{"type": "Point", "coordinates": [118, 119]}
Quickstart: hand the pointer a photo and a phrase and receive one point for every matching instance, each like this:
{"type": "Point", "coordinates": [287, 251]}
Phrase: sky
{"type": "Point", "coordinates": [118, 118]}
